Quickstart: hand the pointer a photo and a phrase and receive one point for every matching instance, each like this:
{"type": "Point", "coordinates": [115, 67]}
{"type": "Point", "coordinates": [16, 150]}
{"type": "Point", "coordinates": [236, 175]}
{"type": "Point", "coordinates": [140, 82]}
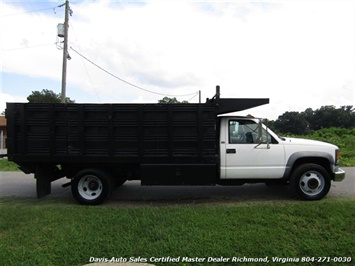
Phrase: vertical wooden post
{"type": "Point", "coordinates": [65, 52]}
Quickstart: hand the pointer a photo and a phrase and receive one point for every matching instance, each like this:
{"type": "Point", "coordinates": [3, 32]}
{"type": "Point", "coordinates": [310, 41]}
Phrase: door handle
{"type": "Point", "coordinates": [231, 151]}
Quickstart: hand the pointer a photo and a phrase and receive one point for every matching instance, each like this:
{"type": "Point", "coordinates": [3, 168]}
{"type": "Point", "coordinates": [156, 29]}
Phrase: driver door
{"type": "Point", "coordinates": [245, 158]}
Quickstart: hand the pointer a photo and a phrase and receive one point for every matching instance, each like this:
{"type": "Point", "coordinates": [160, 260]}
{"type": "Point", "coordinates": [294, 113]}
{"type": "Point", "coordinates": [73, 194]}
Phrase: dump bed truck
{"type": "Point", "coordinates": [101, 146]}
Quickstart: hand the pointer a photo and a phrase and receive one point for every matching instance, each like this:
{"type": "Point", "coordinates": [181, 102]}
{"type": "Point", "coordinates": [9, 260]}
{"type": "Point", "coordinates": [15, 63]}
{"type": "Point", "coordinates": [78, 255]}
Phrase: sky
{"type": "Point", "coordinates": [299, 54]}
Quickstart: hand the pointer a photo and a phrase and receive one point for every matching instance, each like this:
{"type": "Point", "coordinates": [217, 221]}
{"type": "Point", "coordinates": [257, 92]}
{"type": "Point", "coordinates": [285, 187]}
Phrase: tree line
{"type": "Point", "coordinates": [302, 123]}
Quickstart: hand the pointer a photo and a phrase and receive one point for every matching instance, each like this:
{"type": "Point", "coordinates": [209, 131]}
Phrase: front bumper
{"type": "Point", "coordinates": [339, 175]}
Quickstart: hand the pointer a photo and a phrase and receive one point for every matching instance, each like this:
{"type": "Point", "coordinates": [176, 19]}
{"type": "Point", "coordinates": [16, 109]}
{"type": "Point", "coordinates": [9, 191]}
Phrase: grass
{"type": "Point", "coordinates": [7, 166]}
{"type": "Point", "coordinates": [47, 232]}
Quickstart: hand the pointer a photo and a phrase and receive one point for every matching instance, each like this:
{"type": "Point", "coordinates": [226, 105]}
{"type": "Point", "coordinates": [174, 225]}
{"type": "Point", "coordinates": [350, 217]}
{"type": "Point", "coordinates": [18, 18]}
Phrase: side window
{"type": "Point", "coordinates": [233, 131]}
{"type": "Point", "coordinates": [245, 131]}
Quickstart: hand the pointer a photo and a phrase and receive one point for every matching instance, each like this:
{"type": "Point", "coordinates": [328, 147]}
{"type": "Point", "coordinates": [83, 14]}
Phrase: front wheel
{"type": "Point", "coordinates": [91, 186]}
{"type": "Point", "coordinates": [310, 181]}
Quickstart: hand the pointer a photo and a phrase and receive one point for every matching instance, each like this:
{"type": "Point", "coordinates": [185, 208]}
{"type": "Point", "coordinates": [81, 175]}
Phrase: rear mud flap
{"type": "Point", "coordinates": [44, 177]}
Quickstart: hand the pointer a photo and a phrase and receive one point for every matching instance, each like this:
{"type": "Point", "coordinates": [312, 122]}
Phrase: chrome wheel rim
{"type": "Point", "coordinates": [312, 183]}
{"type": "Point", "coordinates": [90, 187]}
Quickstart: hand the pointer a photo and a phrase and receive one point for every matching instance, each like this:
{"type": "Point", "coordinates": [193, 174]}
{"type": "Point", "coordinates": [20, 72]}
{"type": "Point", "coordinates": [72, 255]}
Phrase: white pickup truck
{"type": "Point", "coordinates": [100, 146]}
{"type": "Point", "coordinates": [254, 153]}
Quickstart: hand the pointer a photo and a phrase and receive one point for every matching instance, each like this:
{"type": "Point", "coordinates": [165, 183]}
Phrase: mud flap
{"type": "Point", "coordinates": [44, 176]}
{"type": "Point", "coordinates": [43, 181]}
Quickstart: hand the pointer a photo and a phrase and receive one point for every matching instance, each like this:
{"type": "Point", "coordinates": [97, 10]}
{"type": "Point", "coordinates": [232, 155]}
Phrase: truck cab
{"type": "Point", "coordinates": [252, 153]}
{"type": "Point", "coordinates": [247, 155]}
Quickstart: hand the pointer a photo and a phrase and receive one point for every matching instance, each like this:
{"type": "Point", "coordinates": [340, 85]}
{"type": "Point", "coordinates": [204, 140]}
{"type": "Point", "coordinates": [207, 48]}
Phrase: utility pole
{"type": "Point", "coordinates": [65, 52]}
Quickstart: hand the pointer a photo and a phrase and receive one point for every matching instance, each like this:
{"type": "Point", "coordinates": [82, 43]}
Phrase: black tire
{"type": "Point", "coordinates": [91, 186]}
{"type": "Point", "coordinates": [310, 181]}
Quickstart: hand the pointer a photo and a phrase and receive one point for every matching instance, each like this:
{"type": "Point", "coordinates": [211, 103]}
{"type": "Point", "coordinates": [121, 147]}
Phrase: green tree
{"type": "Point", "coordinates": [170, 100]}
{"type": "Point", "coordinates": [309, 115]}
{"type": "Point", "coordinates": [46, 96]}
{"type": "Point", "coordinates": [292, 122]}
{"type": "Point", "coordinates": [329, 116]}
{"type": "Point", "coordinates": [348, 116]}
{"type": "Point", "coordinates": [270, 124]}
{"type": "Point", "coordinates": [325, 117]}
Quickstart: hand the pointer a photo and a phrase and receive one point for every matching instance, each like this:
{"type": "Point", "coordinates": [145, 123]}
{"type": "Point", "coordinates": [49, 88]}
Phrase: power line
{"type": "Point", "coordinates": [31, 11]}
{"type": "Point", "coordinates": [193, 96]}
{"type": "Point", "coordinates": [26, 47]}
{"type": "Point", "coordinates": [129, 83]}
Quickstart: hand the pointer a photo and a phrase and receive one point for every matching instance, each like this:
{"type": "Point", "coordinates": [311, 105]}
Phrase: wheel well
{"type": "Point", "coordinates": [316, 160]}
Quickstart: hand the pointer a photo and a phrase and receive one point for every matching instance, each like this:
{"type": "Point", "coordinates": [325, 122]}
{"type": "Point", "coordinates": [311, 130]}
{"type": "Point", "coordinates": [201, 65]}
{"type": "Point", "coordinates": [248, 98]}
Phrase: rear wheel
{"type": "Point", "coordinates": [310, 181]}
{"type": "Point", "coordinates": [91, 186]}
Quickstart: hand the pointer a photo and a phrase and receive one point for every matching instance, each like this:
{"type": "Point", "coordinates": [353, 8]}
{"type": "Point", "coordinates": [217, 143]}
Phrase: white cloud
{"type": "Point", "coordinates": [299, 54]}
{"type": "Point", "coordinates": [9, 98]}
{"type": "Point", "coordinates": [28, 43]}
